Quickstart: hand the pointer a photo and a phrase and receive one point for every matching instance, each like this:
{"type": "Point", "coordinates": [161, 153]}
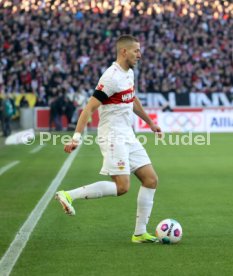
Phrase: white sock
{"type": "Point", "coordinates": [144, 208]}
{"type": "Point", "coordinates": [95, 190]}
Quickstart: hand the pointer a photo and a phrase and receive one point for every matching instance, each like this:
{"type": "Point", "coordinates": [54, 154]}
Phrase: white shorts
{"type": "Point", "coordinates": [122, 157]}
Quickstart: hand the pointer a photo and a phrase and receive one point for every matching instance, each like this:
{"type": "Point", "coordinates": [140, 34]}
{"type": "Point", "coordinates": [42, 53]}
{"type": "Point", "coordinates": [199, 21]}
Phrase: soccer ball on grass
{"type": "Point", "coordinates": [169, 231]}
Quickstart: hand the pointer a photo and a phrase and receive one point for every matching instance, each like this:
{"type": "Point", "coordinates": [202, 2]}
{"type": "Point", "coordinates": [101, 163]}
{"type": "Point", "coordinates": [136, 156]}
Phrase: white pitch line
{"type": "Point", "coordinates": [37, 149]}
{"type": "Point", "coordinates": [15, 249]}
{"type": "Point", "coordinates": [7, 167]}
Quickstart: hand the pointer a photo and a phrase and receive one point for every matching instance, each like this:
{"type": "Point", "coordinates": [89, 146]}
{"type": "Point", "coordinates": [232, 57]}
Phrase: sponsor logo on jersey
{"type": "Point", "coordinates": [126, 96]}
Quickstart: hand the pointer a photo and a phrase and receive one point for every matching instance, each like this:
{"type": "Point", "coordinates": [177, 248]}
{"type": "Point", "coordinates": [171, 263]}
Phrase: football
{"type": "Point", "coordinates": [169, 231]}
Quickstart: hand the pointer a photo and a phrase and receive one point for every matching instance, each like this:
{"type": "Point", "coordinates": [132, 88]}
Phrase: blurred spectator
{"type": "Point", "coordinates": [69, 111]}
{"type": "Point", "coordinates": [55, 114]}
{"type": "Point", "coordinates": [60, 105]}
{"type": "Point", "coordinates": [23, 102]}
{"type": "Point", "coordinates": [41, 101]}
{"type": "Point", "coordinates": [187, 45]}
{"type": "Point", "coordinates": [7, 111]}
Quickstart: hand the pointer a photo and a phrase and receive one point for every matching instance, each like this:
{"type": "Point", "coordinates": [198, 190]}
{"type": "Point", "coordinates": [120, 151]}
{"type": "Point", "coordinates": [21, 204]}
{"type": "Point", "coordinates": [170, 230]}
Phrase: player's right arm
{"type": "Point", "coordinates": [105, 88]}
{"type": "Point", "coordinates": [92, 105]}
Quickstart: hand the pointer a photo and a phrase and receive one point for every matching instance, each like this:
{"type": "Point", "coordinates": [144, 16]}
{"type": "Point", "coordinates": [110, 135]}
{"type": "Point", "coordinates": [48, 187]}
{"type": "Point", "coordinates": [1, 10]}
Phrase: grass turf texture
{"type": "Point", "coordinates": [195, 188]}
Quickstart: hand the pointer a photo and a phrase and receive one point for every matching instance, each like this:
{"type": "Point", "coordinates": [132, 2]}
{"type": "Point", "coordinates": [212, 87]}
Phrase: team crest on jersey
{"type": "Point", "coordinates": [121, 165]}
{"type": "Point", "coordinates": [100, 87]}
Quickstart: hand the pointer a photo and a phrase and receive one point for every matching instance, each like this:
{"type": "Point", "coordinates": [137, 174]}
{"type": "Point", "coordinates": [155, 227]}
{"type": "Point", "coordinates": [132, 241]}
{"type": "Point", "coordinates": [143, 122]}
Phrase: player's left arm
{"type": "Point", "coordinates": [140, 112]}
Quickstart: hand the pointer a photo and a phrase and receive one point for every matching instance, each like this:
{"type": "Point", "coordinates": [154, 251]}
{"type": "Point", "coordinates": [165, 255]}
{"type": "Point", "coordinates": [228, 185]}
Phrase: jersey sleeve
{"type": "Point", "coordinates": [107, 84]}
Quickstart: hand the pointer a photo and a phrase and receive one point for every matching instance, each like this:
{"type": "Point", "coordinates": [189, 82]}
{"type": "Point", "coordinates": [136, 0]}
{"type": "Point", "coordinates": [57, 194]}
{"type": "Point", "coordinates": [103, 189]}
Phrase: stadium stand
{"type": "Point", "coordinates": [52, 47]}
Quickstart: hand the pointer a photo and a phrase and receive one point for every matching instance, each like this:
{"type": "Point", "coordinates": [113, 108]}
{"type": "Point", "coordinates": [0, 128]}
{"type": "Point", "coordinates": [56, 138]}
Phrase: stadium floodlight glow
{"type": "Point", "coordinates": [149, 11]}
{"type": "Point", "coordinates": [123, 2]}
{"type": "Point", "coordinates": [220, 8]}
{"type": "Point", "coordinates": [193, 7]}
{"type": "Point", "coordinates": [216, 15]}
{"type": "Point", "coordinates": [105, 5]}
{"type": "Point", "coordinates": [192, 15]}
{"type": "Point", "coordinates": [185, 11]}
{"type": "Point", "coordinates": [192, 2]}
{"type": "Point", "coordinates": [6, 5]}
{"type": "Point", "coordinates": [14, 9]}
{"type": "Point", "coordinates": [127, 13]}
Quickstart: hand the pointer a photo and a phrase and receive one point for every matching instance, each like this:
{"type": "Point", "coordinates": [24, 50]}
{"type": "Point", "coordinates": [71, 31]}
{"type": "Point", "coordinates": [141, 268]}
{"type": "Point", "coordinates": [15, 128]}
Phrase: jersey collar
{"type": "Point", "coordinates": [119, 67]}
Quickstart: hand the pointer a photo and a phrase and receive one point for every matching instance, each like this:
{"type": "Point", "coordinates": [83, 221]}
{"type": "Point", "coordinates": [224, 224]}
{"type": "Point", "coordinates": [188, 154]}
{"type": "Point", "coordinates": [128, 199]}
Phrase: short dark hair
{"type": "Point", "coordinates": [124, 40]}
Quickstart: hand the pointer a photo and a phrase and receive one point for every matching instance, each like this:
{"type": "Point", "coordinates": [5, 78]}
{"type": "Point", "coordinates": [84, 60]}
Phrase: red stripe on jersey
{"type": "Point", "coordinates": [126, 96]}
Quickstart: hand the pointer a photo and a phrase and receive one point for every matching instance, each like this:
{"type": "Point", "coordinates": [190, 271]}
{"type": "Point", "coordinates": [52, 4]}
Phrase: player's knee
{"type": "Point", "coordinates": [122, 183]}
{"type": "Point", "coordinates": [151, 182]}
{"type": "Point", "coordinates": [121, 190]}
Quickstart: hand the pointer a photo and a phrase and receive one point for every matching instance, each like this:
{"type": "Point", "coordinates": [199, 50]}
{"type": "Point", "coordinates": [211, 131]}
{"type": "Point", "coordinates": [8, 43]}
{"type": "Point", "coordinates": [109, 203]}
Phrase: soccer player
{"type": "Point", "coordinates": [123, 154]}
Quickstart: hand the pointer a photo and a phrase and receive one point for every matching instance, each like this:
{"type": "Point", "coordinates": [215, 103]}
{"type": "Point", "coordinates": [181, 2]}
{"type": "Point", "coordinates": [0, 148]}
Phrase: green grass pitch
{"type": "Point", "coordinates": [195, 188]}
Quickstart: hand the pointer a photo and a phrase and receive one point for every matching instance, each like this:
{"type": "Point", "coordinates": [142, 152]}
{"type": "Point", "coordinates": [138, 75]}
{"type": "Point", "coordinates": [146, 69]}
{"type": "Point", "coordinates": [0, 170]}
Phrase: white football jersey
{"type": "Point", "coordinates": [116, 112]}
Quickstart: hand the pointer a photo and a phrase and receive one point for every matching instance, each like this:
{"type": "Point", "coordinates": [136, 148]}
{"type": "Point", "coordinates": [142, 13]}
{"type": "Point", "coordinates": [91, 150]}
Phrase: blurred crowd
{"type": "Point", "coordinates": [59, 49]}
